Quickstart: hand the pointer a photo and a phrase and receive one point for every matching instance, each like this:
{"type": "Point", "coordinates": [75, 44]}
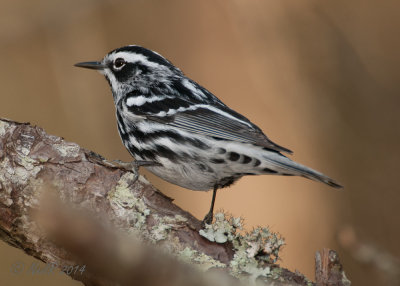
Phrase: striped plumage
{"type": "Point", "coordinates": [198, 142]}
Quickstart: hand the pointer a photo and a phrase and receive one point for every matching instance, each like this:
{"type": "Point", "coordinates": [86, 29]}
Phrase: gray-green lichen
{"type": "Point", "coordinates": [163, 225]}
{"type": "Point", "coordinates": [123, 201]}
{"type": "Point", "coordinates": [203, 261]}
{"type": "Point", "coordinates": [161, 229]}
{"type": "Point", "coordinates": [222, 230]}
{"type": "Point", "coordinates": [276, 273]}
{"type": "Point", "coordinates": [126, 204]}
{"type": "Point", "coordinates": [254, 250]}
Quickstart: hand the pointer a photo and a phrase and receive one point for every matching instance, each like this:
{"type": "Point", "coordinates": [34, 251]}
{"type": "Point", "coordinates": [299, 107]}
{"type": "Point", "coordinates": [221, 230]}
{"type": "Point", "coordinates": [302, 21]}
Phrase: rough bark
{"type": "Point", "coordinates": [92, 204]}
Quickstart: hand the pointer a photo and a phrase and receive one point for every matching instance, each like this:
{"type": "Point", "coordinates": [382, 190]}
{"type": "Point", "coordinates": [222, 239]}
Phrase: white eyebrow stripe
{"type": "Point", "coordinates": [133, 57]}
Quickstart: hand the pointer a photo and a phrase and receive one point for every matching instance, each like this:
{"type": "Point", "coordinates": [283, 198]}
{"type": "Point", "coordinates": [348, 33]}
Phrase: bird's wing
{"type": "Point", "coordinates": [217, 121]}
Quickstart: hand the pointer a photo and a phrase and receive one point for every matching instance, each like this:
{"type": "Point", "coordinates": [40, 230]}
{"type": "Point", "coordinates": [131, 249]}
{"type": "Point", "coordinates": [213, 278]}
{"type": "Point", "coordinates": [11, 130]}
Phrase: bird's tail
{"type": "Point", "coordinates": [286, 166]}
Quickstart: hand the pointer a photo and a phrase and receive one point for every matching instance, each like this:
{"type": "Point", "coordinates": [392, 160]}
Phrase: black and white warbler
{"type": "Point", "coordinates": [185, 134]}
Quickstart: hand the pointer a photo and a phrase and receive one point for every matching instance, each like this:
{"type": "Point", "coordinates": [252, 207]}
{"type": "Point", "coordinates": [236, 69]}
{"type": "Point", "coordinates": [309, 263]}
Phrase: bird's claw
{"type": "Point", "coordinates": [131, 166]}
{"type": "Point", "coordinates": [207, 219]}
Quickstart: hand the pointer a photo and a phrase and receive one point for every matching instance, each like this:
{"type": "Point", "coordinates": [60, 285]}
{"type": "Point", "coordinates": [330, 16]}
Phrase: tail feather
{"type": "Point", "coordinates": [286, 166]}
{"type": "Point", "coordinates": [317, 176]}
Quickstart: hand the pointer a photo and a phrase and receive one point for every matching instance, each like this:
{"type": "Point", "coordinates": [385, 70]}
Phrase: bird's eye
{"type": "Point", "coordinates": [119, 63]}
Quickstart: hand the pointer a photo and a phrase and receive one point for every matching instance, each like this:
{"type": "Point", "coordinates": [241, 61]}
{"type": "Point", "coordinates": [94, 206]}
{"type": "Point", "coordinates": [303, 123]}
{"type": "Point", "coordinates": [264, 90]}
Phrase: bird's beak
{"type": "Point", "coordinates": [91, 65]}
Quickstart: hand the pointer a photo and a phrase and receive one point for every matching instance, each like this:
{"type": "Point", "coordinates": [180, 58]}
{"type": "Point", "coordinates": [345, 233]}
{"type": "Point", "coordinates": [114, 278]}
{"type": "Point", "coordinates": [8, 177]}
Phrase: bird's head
{"type": "Point", "coordinates": [134, 68]}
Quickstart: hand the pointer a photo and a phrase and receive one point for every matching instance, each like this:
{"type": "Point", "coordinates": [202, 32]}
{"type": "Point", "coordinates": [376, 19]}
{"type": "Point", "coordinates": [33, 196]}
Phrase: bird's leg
{"type": "Point", "coordinates": [209, 217]}
{"type": "Point", "coordinates": [131, 166]}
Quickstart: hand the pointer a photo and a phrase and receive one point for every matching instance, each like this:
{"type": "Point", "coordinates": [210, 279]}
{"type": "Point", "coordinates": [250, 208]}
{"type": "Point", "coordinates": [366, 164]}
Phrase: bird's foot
{"type": "Point", "coordinates": [207, 219]}
{"type": "Point", "coordinates": [131, 166]}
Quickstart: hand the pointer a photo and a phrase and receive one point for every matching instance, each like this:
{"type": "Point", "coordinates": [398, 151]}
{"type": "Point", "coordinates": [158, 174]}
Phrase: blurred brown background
{"type": "Point", "coordinates": [319, 77]}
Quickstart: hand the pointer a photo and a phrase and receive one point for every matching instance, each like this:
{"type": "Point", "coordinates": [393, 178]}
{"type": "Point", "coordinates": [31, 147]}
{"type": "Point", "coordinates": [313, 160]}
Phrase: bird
{"type": "Point", "coordinates": [182, 133]}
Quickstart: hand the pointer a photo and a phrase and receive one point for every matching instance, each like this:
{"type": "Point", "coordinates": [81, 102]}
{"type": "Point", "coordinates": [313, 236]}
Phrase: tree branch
{"type": "Point", "coordinates": [63, 205]}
